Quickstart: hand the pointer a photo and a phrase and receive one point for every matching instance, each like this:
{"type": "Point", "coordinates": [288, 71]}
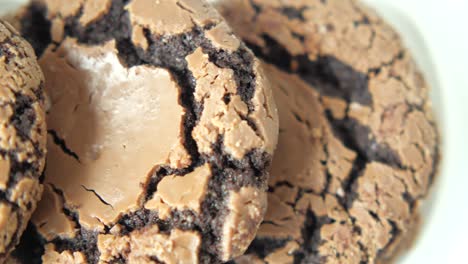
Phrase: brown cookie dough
{"type": "Point", "coordinates": [161, 127]}
{"type": "Point", "coordinates": [358, 145]}
{"type": "Point", "coordinates": [22, 136]}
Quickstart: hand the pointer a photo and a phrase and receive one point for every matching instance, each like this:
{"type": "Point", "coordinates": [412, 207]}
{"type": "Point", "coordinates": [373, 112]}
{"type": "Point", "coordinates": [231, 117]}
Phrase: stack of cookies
{"type": "Point", "coordinates": [237, 131]}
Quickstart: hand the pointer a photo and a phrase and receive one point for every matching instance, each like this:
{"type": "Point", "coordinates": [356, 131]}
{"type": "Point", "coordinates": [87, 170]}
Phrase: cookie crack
{"type": "Point", "coordinates": [63, 146]}
{"type": "Point", "coordinates": [264, 246]}
{"type": "Point", "coordinates": [321, 73]}
{"type": "Point", "coordinates": [242, 65]}
{"type": "Point", "coordinates": [435, 164]}
{"type": "Point", "coordinates": [5, 50]}
{"type": "Point", "coordinates": [15, 236]}
{"type": "Point", "coordinates": [29, 246]}
{"type": "Point", "coordinates": [355, 137]}
{"type": "Point", "coordinates": [24, 116]}
{"type": "Point", "coordinates": [142, 218]}
{"type": "Point", "coordinates": [4, 197]}
{"type": "Point", "coordinates": [329, 176]}
{"type": "Point", "coordinates": [257, 8]}
{"type": "Point", "coordinates": [372, 39]}
{"type": "Point", "coordinates": [36, 28]}
{"type": "Point", "coordinates": [293, 13]}
{"type": "Point", "coordinates": [365, 21]}
{"type": "Point", "coordinates": [280, 184]}
{"type": "Point", "coordinates": [84, 239]}
{"type": "Point", "coordinates": [311, 238]}
{"type": "Point", "coordinates": [364, 250]}
{"type": "Point", "coordinates": [406, 195]}
{"type": "Point", "coordinates": [98, 196]}
{"type": "Point", "coordinates": [394, 233]}
{"type": "Point", "coordinates": [184, 8]}
{"type": "Point", "coordinates": [12, 154]}
{"type": "Point", "coordinates": [376, 70]}
{"type": "Point", "coordinates": [71, 215]}
{"type": "Point", "coordinates": [19, 169]}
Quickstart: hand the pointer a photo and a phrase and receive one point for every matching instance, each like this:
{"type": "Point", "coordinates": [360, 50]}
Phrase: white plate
{"type": "Point", "coordinates": [434, 30]}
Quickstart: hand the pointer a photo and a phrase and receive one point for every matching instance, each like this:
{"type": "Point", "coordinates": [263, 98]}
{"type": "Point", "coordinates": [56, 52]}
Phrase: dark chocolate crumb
{"type": "Point", "coordinates": [327, 74]}
{"type": "Point", "coordinates": [395, 233]}
{"type": "Point", "coordinates": [264, 246]}
{"type": "Point", "coordinates": [24, 115]}
{"type": "Point", "coordinates": [36, 28]}
{"type": "Point", "coordinates": [85, 241]}
{"type": "Point", "coordinates": [30, 248]}
{"type": "Point", "coordinates": [6, 52]}
{"type": "Point", "coordinates": [293, 13]}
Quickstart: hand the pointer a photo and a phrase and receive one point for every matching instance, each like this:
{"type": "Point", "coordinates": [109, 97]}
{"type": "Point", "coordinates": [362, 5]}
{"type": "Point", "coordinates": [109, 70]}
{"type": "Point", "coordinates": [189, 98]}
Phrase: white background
{"type": "Point", "coordinates": [436, 31]}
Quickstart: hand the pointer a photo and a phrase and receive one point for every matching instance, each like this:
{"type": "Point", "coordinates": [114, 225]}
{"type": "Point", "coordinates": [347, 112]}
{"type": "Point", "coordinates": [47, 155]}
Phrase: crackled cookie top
{"type": "Point", "coordinates": [357, 148]}
{"type": "Point", "coordinates": [161, 126]}
{"type": "Point", "coordinates": [22, 136]}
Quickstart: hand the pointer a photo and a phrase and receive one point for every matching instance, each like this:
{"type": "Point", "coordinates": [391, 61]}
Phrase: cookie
{"type": "Point", "coordinates": [22, 136]}
{"type": "Point", "coordinates": [358, 146]}
{"type": "Point", "coordinates": [161, 128]}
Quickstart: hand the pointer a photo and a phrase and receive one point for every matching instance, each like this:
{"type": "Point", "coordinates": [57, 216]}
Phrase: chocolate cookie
{"type": "Point", "coordinates": [358, 146]}
{"type": "Point", "coordinates": [161, 127]}
{"type": "Point", "coordinates": [22, 136]}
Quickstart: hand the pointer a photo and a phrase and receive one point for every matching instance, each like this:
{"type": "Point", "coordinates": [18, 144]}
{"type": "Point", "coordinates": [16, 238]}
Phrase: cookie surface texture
{"type": "Point", "coordinates": [358, 146]}
{"type": "Point", "coordinates": [23, 136]}
{"type": "Point", "coordinates": [161, 127]}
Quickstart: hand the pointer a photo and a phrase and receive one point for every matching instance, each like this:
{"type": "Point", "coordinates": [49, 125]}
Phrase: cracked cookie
{"type": "Point", "coordinates": [22, 136]}
{"type": "Point", "coordinates": [161, 127]}
{"type": "Point", "coordinates": [358, 146]}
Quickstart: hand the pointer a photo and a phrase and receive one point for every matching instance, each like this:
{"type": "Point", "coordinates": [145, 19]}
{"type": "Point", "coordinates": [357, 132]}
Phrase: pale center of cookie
{"type": "Point", "coordinates": [117, 124]}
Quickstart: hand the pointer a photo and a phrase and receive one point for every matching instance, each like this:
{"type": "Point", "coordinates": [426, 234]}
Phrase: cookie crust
{"type": "Point", "coordinates": [200, 192]}
{"type": "Point", "coordinates": [350, 189]}
{"type": "Point", "coordinates": [22, 136]}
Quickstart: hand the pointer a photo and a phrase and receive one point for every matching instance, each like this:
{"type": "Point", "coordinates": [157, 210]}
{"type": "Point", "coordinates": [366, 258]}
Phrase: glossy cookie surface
{"type": "Point", "coordinates": [161, 127]}
{"type": "Point", "coordinates": [358, 146]}
{"type": "Point", "coordinates": [22, 136]}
